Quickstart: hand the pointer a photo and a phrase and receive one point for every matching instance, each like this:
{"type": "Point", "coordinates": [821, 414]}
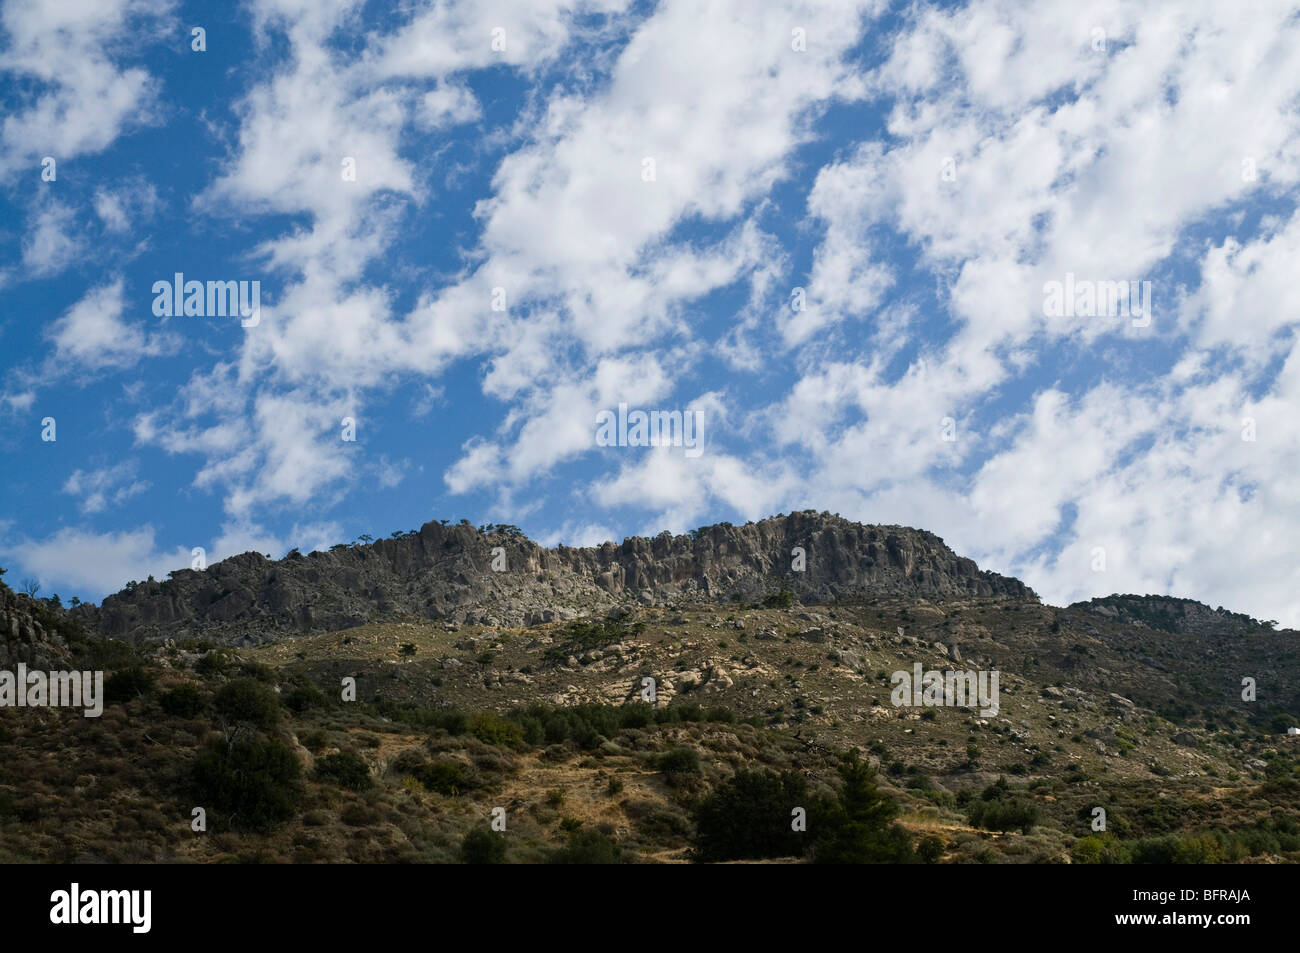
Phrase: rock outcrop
{"type": "Point", "coordinates": [459, 574]}
{"type": "Point", "coordinates": [1171, 614]}
{"type": "Point", "coordinates": [29, 633]}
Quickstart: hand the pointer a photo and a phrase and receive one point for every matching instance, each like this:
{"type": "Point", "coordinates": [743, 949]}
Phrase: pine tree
{"type": "Point", "coordinates": [859, 827]}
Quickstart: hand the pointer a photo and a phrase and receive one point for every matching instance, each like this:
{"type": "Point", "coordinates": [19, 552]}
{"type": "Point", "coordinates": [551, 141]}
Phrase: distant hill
{"type": "Point", "coordinates": [497, 576]}
{"type": "Point", "coordinates": [1169, 614]}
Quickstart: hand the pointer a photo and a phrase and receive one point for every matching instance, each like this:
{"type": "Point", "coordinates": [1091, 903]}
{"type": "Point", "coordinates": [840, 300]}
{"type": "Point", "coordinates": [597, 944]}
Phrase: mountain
{"type": "Point", "coordinates": [375, 703]}
{"type": "Point", "coordinates": [446, 572]}
{"type": "Point", "coordinates": [1170, 614]}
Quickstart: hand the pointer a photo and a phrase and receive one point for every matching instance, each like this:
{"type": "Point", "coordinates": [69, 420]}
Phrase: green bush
{"type": "Point", "coordinates": [587, 847]}
{"type": "Point", "coordinates": [347, 769]}
{"type": "Point", "coordinates": [183, 701]}
{"type": "Point", "coordinates": [1006, 814]}
{"type": "Point", "coordinates": [588, 726]}
{"type": "Point", "coordinates": [128, 684]}
{"type": "Point", "coordinates": [492, 729]}
{"type": "Point", "coordinates": [586, 634]}
{"type": "Point", "coordinates": [930, 849]}
{"type": "Point", "coordinates": [1100, 849]}
{"type": "Point", "coordinates": [678, 764]}
{"type": "Point", "coordinates": [858, 827]}
{"type": "Point", "coordinates": [444, 777]}
{"type": "Point", "coordinates": [482, 846]}
{"type": "Point", "coordinates": [247, 699]}
{"type": "Point", "coordinates": [213, 662]}
{"type": "Point", "coordinates": [253, 781]}
{"type": "Point", "coordinates": [97, 654]}
{"type": "Point", "coordinates": [428, 718]}
{"type": "Point", "coordinates": [302, 697]}
{"type": "Point", "coordinates": [749, 817]}
{"type": "Point", "coordinates": [782, 599]}
{"type": "Point", "coordinates": [259, 671]}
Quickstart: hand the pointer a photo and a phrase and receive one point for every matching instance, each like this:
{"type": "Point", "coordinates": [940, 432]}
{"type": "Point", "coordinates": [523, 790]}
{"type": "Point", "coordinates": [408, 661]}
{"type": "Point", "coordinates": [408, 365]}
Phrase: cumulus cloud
{"type": "Point", "coordinates": [106, 486]}
{"type": "Point", "coordinates": [671, 174]}
{"type": "Point", "coordinates": [94, 334]}
{"type": "Point", "coordinates": [94, 563]}
{"type": "Point", "coordinates": [76, 52]}
{"type": "Point", "coordinates": [52, 242]}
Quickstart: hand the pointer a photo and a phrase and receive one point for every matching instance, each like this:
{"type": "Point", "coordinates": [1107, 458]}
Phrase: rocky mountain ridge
{"type": "Point", "coordinates": [1172, 614]}
{"type": "Point", "coordinates": [463, 575]}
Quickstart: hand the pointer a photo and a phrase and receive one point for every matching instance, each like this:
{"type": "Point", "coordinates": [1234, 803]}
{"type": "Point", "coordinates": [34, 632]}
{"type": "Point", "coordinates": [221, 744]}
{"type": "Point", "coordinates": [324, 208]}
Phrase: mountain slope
{"type": "Point", "coordinates": [466, 575]}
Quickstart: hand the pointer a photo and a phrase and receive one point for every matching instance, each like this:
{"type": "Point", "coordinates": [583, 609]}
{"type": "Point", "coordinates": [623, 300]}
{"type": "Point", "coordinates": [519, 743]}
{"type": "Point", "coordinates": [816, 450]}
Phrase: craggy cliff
{"type": "Point", "coordinates": [447, 572]}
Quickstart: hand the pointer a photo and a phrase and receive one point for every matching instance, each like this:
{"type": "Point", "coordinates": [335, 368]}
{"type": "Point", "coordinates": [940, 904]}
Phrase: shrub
{"type": "Point", "coordinates": [128, 684]}
{"type": "Point", "coordinates": [183, 701]}
{"type": "Point", "coordinates": [347, 769]}
{"type": "Point", "coordinates": [253, 781]}
{"type": "Point", "coordinates": [247, 699]}
{"type": "Point", "coordinates": [110, 654]}
{"type": "Point", "coordinates": [930, 849]}
{"type": "Point", "coordinates": [444, 777]}
{"type": "Point", "coordinates": [1095, 849]}
{"type": "Point", "coordinates": [492, 729]}
{"type": "Point", "coordinates": [259, 671]}
{"type": "Point", "coordinates": [858, 827]}
{"type": "Point", "coordinates": [213, 662]}
{"type": "Point", "coordinates": [587, 847]}
{"type": "Point", "coordinates": [748, 818]}
{"type": "Point", "coordinates": [1006, 814]}
{"type": "Point", "coordinates": [482, 846]}
{"type": "Point", "coordinates": [428, 718]}
{"type": "Point", "coordinates": [782, 599]}
{"type": "Point", "coordinates": [303, 697]}
{"type": "Point", "coordinates": [358, 814]}
{"type": "Point", "coordinates": [678, 764]}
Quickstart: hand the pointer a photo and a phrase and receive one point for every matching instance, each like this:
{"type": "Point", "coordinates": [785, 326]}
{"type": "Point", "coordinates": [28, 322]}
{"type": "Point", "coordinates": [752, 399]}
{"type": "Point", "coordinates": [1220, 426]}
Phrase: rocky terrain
{"type": "Point", "coordinates": [29, 632]}
{"type": "Point", "coordinates": [379, 702]}
{"type": "Point", "coordinates": [447, 572]}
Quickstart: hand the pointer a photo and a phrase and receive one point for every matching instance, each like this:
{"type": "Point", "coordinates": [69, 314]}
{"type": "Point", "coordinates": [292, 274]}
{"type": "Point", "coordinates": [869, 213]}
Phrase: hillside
{"type": "Point", "coordinates": [445, 572]}
{"type": "Point", "coordinates": [525, 690]}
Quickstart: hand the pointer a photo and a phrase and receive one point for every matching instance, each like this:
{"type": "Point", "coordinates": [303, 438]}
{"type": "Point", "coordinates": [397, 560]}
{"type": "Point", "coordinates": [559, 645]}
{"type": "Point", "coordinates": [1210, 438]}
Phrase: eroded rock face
{"type": "Point", "coordinates": [446, 572]}
{"type": "Point", "coordinates": [25, 638]}
{"type": "Point", "coordinates": [1170, 614]}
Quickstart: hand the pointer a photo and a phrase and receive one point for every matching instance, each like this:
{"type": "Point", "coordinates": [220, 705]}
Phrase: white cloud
{"type": "Point", "coordinates": [126, 207]}
{"type": "Point", "coordinates": [108, 485]}
{"type": "Point", "coordinates": [95, 563]}
{"type": "Point", "coordinates": [92, 334]}
{"type": "Point", "coordinates": [578, 534]}
{"type": "Point", "coordinates": [51, 244]}
{"type": "Point", "coordinates": [72, 50]}
{"type": "Point", "coordinates": [924, 290]}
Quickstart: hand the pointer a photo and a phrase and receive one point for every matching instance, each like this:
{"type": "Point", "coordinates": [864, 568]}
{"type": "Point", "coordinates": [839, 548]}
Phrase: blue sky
{"type": "Point", "coordinates": [914, 176]}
